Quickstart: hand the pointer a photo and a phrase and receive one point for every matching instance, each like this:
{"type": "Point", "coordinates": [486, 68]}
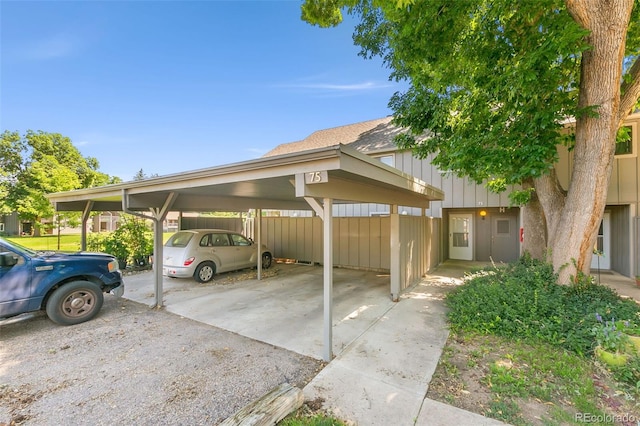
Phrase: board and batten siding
{"type": "Point", "coordinates": [624, 186]}
{"type": "Point", "coordinates": [358, 242]}
{"type": "Point", "coordinates": [460, 192]}
{"type": "Point", "coordinates": [234, 224]}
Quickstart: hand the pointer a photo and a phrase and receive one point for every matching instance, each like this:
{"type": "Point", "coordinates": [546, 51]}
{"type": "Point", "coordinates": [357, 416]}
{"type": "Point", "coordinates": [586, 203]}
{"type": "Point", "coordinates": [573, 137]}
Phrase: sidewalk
{"type": "Point", "coordinates": [383, 376]}
{"type": "Point", "coordinates": [624, 286]}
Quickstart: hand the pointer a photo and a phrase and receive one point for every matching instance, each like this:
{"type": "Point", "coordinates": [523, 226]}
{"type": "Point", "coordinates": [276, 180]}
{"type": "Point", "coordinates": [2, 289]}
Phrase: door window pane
{"type": "Point", "coordinates": [461, 239]}
{"type": "Point", "coordinates": [502, 226]}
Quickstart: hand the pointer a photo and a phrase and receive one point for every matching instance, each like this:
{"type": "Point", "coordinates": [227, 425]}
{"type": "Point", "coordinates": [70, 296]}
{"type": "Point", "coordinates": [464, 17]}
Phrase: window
{"type": "Point", "coordinates": [627, 141]}
{"type": "Point", "coordinates": [239, 240]}
{"type": "Point", "coordinates": [460, 239]}
{"type": "Point", "coordinates": [503, 227]}
{"type": "Point", "coordinates": [180, 239]}
{"type": "Point", "coordinates": [386, 159]}
{"type": "Point", "coordinates": [219, 240]}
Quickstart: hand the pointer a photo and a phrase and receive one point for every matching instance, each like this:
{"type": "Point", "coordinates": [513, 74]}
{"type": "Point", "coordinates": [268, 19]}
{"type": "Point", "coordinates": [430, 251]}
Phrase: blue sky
{"type": "Point", "coordinates": [170, 86]}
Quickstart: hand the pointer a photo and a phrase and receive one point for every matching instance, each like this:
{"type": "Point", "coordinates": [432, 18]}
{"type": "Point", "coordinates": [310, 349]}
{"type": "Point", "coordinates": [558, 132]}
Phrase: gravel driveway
{"type": "Point", "coordinates": [135, 365]}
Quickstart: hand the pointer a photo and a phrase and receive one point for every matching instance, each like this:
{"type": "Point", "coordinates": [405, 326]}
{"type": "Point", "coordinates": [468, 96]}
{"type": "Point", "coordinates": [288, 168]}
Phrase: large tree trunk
{"type": "Point", "coordinates": [535, 223]}
{"type": "Point", "coordinates": [573, 232]}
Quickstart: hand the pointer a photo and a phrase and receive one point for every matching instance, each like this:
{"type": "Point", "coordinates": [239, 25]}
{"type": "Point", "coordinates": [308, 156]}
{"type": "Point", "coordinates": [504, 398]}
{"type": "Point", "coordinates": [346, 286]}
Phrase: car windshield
{"type": "Point", "coordinates": [27, 250]}
{"type": "Point", "coordinates": [179, 239]}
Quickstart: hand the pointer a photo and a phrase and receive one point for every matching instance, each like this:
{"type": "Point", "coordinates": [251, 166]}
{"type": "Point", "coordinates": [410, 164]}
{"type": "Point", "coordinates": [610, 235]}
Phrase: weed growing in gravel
{"type": "Point", "coordinates": [301, 419]}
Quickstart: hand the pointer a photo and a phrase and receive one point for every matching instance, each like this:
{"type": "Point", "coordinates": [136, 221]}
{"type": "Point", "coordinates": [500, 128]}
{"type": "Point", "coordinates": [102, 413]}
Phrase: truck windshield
{"type": "Point", "coordinates": [18, 246]}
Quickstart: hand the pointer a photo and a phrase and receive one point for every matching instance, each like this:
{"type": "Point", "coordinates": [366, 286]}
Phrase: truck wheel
{"type": "Point", "coordinates": [75, 302]}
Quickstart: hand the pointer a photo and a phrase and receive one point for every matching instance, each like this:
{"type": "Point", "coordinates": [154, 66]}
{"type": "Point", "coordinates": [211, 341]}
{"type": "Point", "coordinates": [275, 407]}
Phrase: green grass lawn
{"type": "Point", "coordinates": [50, 242]}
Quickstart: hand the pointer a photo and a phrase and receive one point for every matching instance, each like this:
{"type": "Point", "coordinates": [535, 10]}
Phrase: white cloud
{"type": "Point", "coordinates": [339, 87]}
{"type": "Point", "coordinates": [57, 46]}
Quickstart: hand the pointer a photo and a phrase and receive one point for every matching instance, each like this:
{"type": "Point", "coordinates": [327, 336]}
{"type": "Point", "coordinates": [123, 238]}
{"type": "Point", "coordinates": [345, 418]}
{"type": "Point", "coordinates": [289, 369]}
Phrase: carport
{"type": "Point", "coordinates": [310, 180]}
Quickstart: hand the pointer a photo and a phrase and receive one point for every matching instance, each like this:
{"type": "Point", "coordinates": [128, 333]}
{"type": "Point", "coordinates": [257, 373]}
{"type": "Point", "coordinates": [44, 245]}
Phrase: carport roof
{"type": "Point", "coordinates": [279, 182]}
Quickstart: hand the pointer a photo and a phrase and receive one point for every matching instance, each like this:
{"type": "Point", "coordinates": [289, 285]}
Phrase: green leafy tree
{"type": "Point", "coordinates": [495, 83]}
{"type": "Point", "coordinates": [40, 163]}
{"type": "Point", "coordinates": [140, 175]}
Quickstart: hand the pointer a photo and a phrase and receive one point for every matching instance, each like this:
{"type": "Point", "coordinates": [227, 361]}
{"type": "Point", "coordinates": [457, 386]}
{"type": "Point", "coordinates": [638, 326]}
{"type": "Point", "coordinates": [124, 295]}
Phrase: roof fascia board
{"type": "Point", "coordinates": [217, 203]}
{"type": "Point", "coordinates": [286, 164]}
{"type": "Point", "coordinates": [100, 206]}
{"type": "Point", "coordinates": [352, 161]}
{"type": "Point", "coordinates": [341, 189]}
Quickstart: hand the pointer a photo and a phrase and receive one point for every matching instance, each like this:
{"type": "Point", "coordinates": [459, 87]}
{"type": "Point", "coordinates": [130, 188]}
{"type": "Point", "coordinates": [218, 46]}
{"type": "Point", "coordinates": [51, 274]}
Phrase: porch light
{"type": "Point", "coordinates": [483, 213]}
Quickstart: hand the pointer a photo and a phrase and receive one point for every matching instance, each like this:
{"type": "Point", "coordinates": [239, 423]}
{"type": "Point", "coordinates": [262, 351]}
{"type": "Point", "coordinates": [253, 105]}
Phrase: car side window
{"type": "Point", "coordinates": [219, 240]}
{"type": "Point", "coordinates": [205, 240]}
{"type": "Point", "coordinates": [239, 240]}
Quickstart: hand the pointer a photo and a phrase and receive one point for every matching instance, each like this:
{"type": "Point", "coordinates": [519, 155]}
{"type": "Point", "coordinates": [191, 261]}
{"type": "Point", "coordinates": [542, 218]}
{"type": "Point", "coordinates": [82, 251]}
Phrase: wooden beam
{"type": "Point", "coordinates": [269, 409]}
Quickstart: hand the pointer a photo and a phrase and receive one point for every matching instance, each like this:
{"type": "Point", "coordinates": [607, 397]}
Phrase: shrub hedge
{"type": "Point", "coordinates": [523, 300]}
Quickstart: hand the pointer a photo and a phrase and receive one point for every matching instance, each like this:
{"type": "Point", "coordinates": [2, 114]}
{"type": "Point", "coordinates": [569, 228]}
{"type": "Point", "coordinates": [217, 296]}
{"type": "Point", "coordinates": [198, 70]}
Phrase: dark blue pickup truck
{"type": "Point", "coordinates": [68, 286]}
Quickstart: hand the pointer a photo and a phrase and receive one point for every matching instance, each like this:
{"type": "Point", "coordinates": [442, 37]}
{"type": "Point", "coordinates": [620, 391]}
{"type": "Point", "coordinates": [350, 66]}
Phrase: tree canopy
{"type": "Point", "coordinates": [495, 84]}
{"type": "Point", "coordinates": [39, 163]}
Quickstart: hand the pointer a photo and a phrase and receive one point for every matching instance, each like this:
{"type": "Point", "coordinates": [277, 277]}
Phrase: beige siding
{"type": "Point", "coordinates": [234, 224]}
{"type": "Point", "coordinates": [624, 186]}
{"type": "Point", "coordinates": [359, 242]}
{"type": "Point", "coordinates": [459, 192]}
{"type": "Point", "coordinates": [419, 251]}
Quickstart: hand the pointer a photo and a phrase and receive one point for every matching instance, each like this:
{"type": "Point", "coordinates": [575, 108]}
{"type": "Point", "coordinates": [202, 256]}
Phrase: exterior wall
{"type": "Point", "coordinates": [420, 247]}
{"type": "Point", "coordinates": [621, 231]}
{"type": "Point", "coordinates": [11, 224]}
{"type": "Point", "coordinates": [359, 242]}
{"type": "Point", "coordinates": [105, 222]}
{"type": "Point", "coordinates": [460, 192]}
{"type": "Point", "coordinates": [636, 245]}
{"type": "Point", "coordinates": [235, 224]}
{"type": "Point", "coordinates": [488, 241]}
{"type": "Point", "coordinates": [623, 201]}
{"type": "Point", "coordinates": [624, 186]}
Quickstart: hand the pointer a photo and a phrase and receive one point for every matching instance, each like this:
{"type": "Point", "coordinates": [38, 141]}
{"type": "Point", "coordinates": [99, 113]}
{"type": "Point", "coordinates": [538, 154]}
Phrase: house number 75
{"type": "Point", "coordinates": [316, 177]}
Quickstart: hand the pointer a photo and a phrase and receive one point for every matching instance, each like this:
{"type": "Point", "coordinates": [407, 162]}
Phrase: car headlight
{"type": "Point", "coordinates": [113, 266]}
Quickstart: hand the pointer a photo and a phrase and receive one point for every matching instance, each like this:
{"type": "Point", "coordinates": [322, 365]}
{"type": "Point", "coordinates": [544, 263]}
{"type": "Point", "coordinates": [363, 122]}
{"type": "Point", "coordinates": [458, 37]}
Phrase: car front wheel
{"type": "Point", "coordinates": [204, 272]}
{"type": "Point", "coordinates": [75, 302]}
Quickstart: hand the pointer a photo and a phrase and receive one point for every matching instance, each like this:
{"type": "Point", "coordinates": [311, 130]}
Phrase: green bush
{"type": "Point", "coordinates": [522, 300]}
{"type": "Point", "coordinates": [131, 243]}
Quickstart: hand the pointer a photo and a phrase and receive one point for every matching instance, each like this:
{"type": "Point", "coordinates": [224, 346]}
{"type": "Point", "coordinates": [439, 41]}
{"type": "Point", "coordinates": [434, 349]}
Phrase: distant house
{"type": "Point", "coordinates": [478, 224]}
{"type": "Point", "coordinates": [10, 224]}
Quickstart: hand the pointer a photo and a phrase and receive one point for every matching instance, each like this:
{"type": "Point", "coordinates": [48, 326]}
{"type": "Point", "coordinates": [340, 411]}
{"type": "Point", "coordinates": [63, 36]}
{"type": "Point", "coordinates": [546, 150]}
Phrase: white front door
{"type": "Point", "coordinates": [461, 236]}
{"type": "Point", "coordinates": [601, 258]}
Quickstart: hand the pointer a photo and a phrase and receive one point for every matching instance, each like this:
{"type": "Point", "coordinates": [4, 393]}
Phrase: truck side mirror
{"type": "Point", "coordinates": [7, 259]}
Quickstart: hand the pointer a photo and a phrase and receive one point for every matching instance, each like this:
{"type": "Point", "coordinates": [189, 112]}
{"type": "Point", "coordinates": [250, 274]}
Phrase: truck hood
{"type": "Point", "coordinates": [81, 255]}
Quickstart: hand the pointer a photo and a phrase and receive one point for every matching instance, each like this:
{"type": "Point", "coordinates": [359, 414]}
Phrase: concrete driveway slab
{"type": "Point", "coordinates": [284, 310]}
{"type": "Point", "coordinates": [386, 352]}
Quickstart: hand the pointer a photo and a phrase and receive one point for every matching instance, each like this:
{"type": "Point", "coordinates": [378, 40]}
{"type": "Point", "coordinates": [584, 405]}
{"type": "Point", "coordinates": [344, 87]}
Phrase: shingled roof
{"type": "Point", "coordinates": [367, 137]}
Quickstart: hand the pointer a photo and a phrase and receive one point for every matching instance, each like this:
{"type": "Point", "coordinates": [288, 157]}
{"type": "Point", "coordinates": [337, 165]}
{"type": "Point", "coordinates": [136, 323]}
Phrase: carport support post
{"type": "Point", "coordinates": [395, 253]}
{"type": "Point", "coordinates": [83, 231]}
{"type": "Point", "coordinates": [326, 214]}
{"type": "Point", "coordinates": [158, 215]}
{"type": "Point", "coordinates": [327, 232]}
{"type": "Point", "coordinates": [258, 237]}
